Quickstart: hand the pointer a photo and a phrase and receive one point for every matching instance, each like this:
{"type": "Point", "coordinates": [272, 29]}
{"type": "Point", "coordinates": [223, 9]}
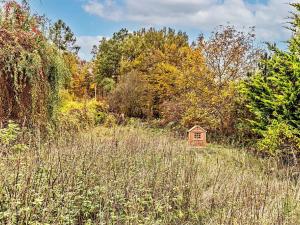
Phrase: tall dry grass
{"type": "Point", "coordinates": [134, 176]}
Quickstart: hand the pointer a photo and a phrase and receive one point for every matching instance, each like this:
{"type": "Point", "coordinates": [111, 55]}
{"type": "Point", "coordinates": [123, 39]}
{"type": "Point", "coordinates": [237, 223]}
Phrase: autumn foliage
{"type": "Point", "coordinates": [222, 81]}
{"type": "Point", "coordinates": [30, 68]}
{"type": "Point", "coordinates": [160, 76]}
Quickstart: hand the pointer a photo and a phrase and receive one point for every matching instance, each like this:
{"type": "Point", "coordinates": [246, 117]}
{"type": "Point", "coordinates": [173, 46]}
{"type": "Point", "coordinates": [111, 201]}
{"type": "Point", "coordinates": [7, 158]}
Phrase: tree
{"type": "Point", "coordinates": [152, 54]}
{"type": "Point", "coordinates": [231, 56]}
{"type": "Point", "coordinates": [108, 85]}
{"type": "Point", "coordinates": [229, 53]}
{"type": "Point", "coordinates": [273, 97]}
{"type": "Point", "coordinates": [31, 70]}
{"type": "Point", "coordinates": [129, 96]}
{"type": "Point", "coordinates": [109, 55]}
{"type": "Point", "coordinates": [63, 37]}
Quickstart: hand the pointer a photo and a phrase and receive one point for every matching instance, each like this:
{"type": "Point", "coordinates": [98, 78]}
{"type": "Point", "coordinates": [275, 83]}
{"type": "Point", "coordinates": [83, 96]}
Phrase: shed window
{"type": "Point", "coordinates": [197, 135]}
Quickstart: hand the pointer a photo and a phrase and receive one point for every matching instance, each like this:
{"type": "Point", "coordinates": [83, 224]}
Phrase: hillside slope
{"type": "Point", "coordinates": [129, 175]}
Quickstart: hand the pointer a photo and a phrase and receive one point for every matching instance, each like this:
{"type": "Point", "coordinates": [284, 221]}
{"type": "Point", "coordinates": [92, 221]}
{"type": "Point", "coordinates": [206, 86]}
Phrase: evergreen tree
{"type": "Point", "coordinates": [63, 37]}
{"type": "Point", "coordinates": [273, 96]}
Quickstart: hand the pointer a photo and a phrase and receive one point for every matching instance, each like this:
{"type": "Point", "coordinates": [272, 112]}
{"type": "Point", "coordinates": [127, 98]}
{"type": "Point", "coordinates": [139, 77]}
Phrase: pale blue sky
{"type": "Point", "coordinates": [92, 19]}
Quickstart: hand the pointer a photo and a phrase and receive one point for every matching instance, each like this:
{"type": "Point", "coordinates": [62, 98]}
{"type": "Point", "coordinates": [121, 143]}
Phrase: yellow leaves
{"type": "Point", "coordinates": [93, 86]}
{"type": "Point", "coordinates": [81, 82]}
{"type": "Point", "coordinates": [76, 114]}
{"type": "Point", "coordinates": [175, 82]}
{"type": "Point", "coordinates": [72, 62]}
{"type": "Point", "coordinates": [197, 115]}
{"type": "Point", "coordinates": [127, 66]}
{"type": "Point", "coordinates": [164, 79]}
{"type": "Point", "coordinates": [65, 96]}
{"type": "Point", "coordinates": [205, 102]}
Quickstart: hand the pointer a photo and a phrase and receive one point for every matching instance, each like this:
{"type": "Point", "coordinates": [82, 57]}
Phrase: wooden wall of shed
{"type": "Point", "coordinates": [194, 142]}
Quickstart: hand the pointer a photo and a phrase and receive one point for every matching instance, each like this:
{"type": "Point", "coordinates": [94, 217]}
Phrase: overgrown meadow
{"type": "Point", "coordinates": [104, 141]}
{"type": "Point", "coordinates": [136, 175]}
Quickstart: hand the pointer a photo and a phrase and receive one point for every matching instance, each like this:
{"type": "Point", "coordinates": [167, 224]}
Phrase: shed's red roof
{"type": "Point", "coordinates": [194, 127]}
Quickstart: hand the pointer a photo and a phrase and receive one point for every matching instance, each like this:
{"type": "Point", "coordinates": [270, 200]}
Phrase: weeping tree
{"type": "Point", "coordinates": [31, 69]}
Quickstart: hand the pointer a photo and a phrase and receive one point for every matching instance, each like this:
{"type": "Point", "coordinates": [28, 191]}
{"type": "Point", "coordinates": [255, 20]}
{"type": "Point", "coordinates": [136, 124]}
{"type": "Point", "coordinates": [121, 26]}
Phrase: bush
{"type": "Point", "coordinates": [9, 139]}
{"type": "Point", "coordinates": [110, 121]}
{"type": "Point", "coordinates": [278, 136]}
{"type": "Point", "coordinates": [76, 115]}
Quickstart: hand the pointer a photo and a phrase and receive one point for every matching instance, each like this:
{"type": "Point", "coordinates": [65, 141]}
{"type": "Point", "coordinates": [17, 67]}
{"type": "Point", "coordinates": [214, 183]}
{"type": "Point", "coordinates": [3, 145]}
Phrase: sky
{"type": "Point", "coordinates": [91, 20]}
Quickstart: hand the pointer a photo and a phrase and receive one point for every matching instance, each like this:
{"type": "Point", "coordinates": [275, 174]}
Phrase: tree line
{"type": "Point", "coordinates": [223, 82]}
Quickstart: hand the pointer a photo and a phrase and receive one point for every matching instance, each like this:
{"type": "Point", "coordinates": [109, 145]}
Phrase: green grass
{"type": "Point", "coordinates": [128, 175]}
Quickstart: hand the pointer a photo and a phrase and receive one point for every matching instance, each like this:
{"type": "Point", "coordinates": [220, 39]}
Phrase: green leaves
{"type": "Point", "coordinates": [9, 138]}
{"type": "Point", "coordinates": [31, 69]}
{"type": "Point", "coordinates": [9, 134]}
{"type": "Point", "coordinates": [62, 36]}
{"type": "Point", "coordinates": [273, 96]}
{"type": "Point", "coordinates": [279, 136]}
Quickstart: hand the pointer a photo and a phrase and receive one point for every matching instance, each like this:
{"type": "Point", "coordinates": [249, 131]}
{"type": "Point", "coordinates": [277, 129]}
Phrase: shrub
{"type": "Point", "coordinates": [110, 121]}
{"type": "Point", "coordinates": [9, 139]}
{"type": "Point", "coordinates": [76, 115]}
{"type": "Point", "coordinates": [98, 110]}
{"type": "Point", "coordinates": [280, 135]}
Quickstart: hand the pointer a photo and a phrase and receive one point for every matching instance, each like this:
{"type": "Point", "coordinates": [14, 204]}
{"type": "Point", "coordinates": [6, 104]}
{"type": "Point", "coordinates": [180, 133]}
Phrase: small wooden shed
{"type": "Point", "coordinates": [197, 136]}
